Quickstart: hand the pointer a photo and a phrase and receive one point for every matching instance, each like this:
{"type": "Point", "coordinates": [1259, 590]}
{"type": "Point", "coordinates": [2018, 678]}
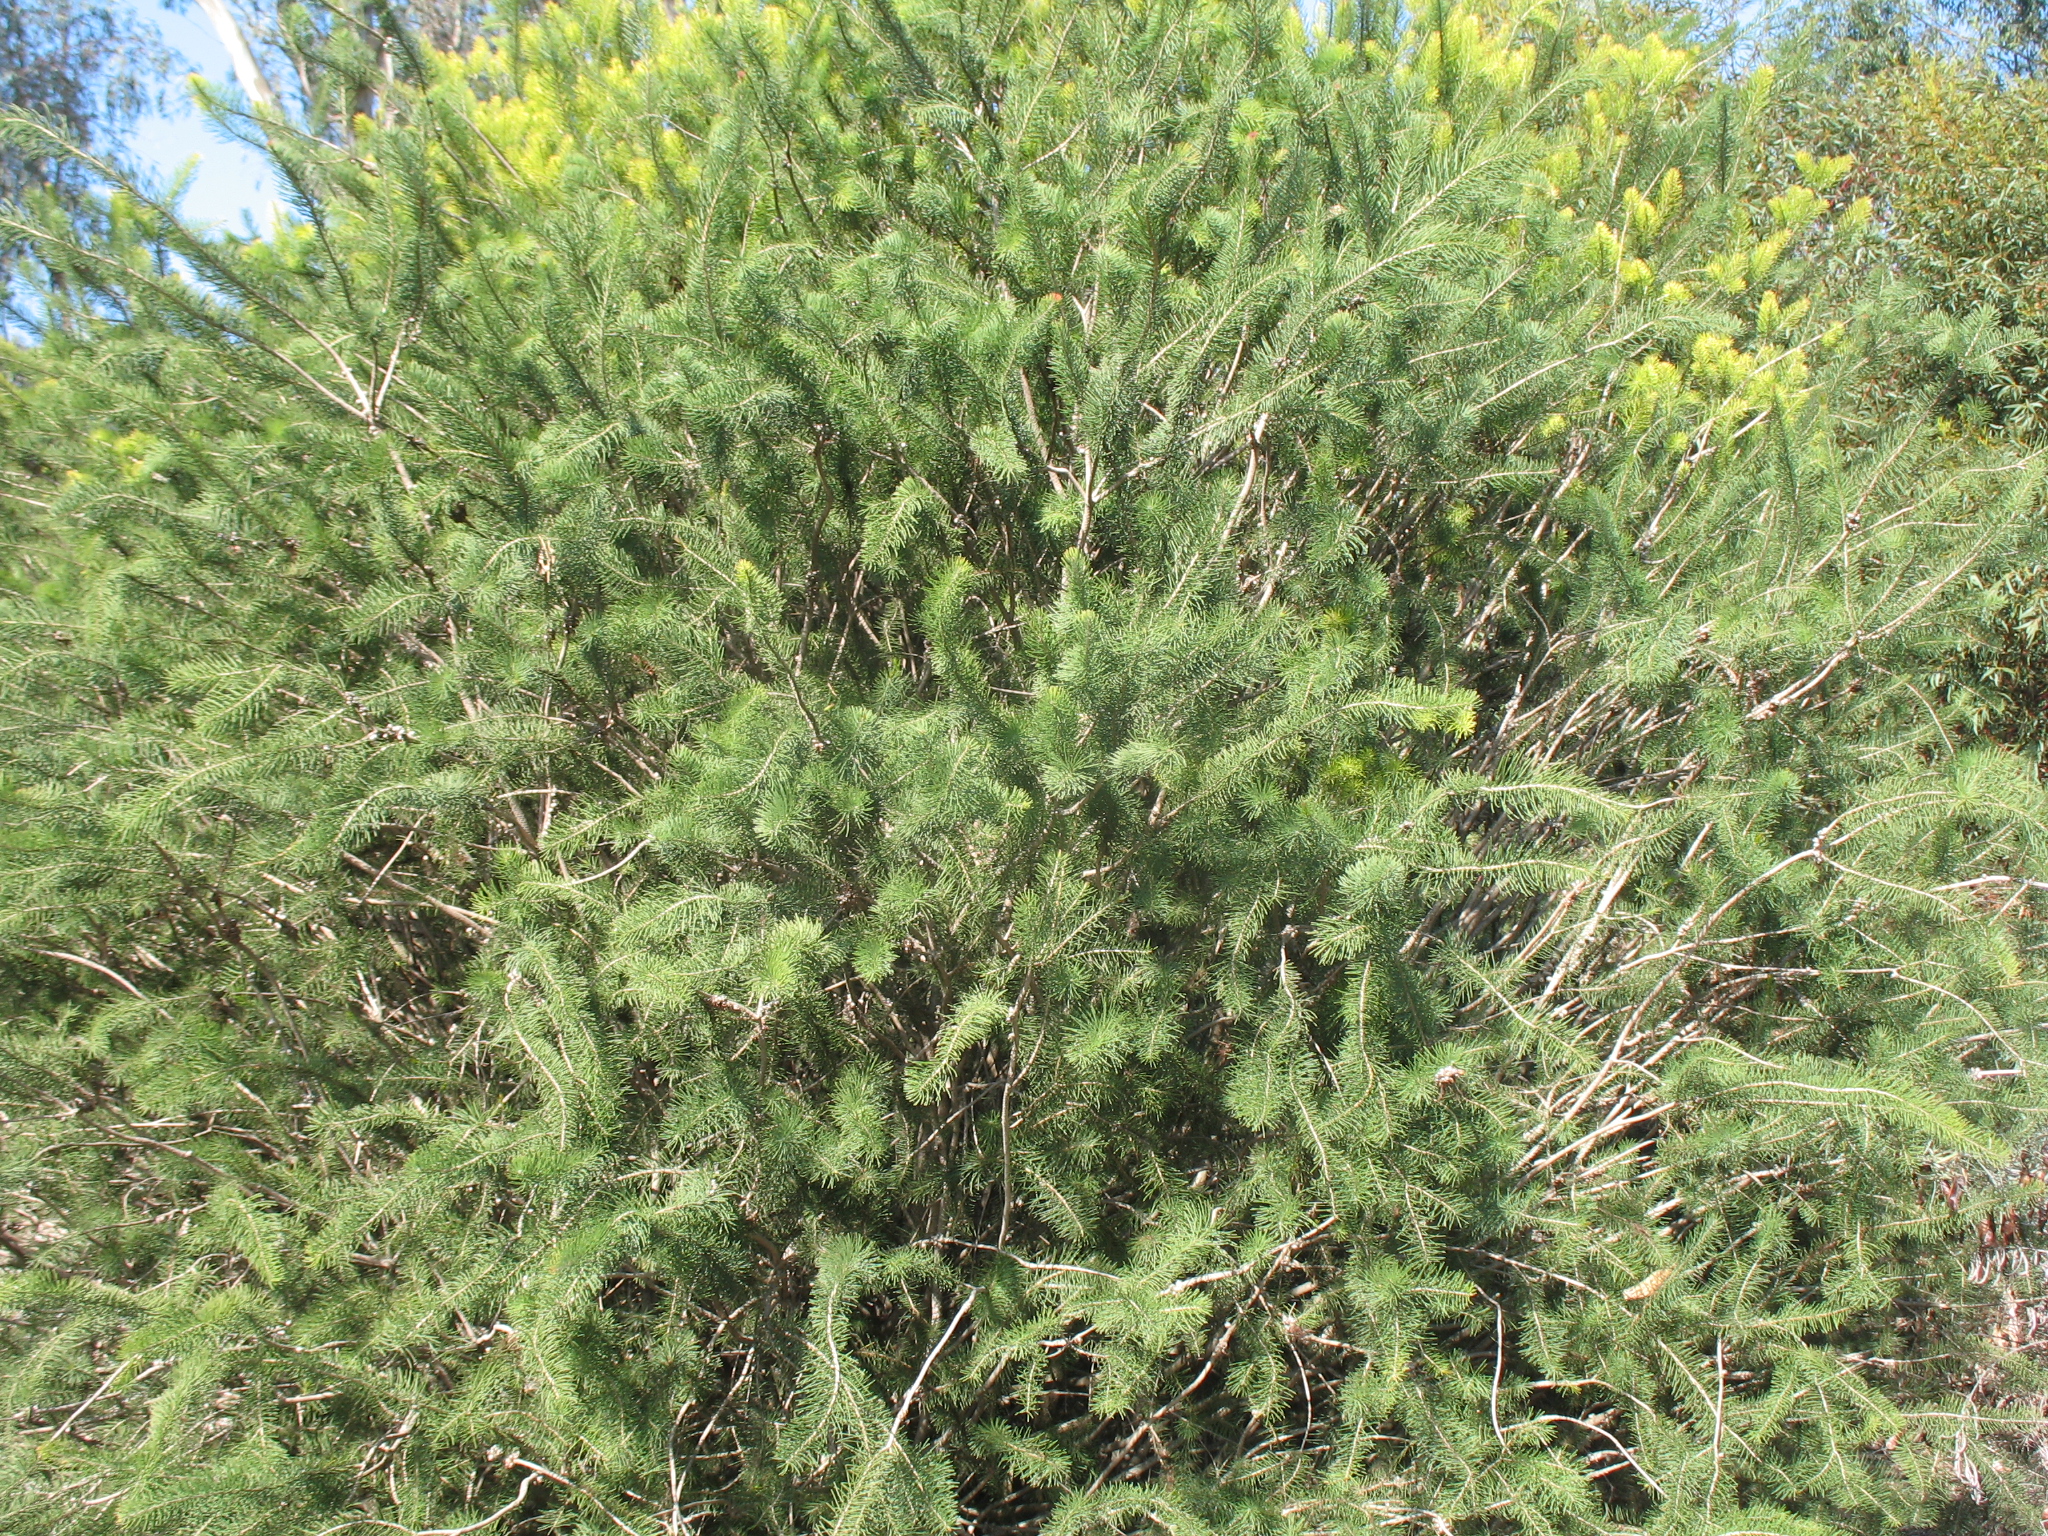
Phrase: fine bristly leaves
{"type": "Point", "coordinates": [889, 767]}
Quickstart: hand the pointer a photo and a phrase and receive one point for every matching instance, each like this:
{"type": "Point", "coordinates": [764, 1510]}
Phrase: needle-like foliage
{"type": "Point", "coordinates": [875, 767]}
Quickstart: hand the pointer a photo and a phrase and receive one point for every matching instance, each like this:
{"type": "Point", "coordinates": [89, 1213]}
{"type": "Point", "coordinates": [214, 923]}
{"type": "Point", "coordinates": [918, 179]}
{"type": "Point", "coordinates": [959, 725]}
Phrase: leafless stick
{"type": "Point", "coordinates": [917, 1382]}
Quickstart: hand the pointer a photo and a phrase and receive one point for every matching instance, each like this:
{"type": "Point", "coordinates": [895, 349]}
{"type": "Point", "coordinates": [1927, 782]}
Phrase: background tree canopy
{"type": "Point", "coordinates": [88, 69]}
{"type": "Point", "coordinates": [1059, 768]}
{"type": "Point", "coordinates": [1948, 132]}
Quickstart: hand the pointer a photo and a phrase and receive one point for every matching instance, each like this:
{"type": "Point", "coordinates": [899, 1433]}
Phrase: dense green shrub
{"type": "Point", "coordinates": [1060, 768]}
{"type": "Point", "coordinates": [1961, 163]}
{"type": "Point", "coordinates": [1953, 159]}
